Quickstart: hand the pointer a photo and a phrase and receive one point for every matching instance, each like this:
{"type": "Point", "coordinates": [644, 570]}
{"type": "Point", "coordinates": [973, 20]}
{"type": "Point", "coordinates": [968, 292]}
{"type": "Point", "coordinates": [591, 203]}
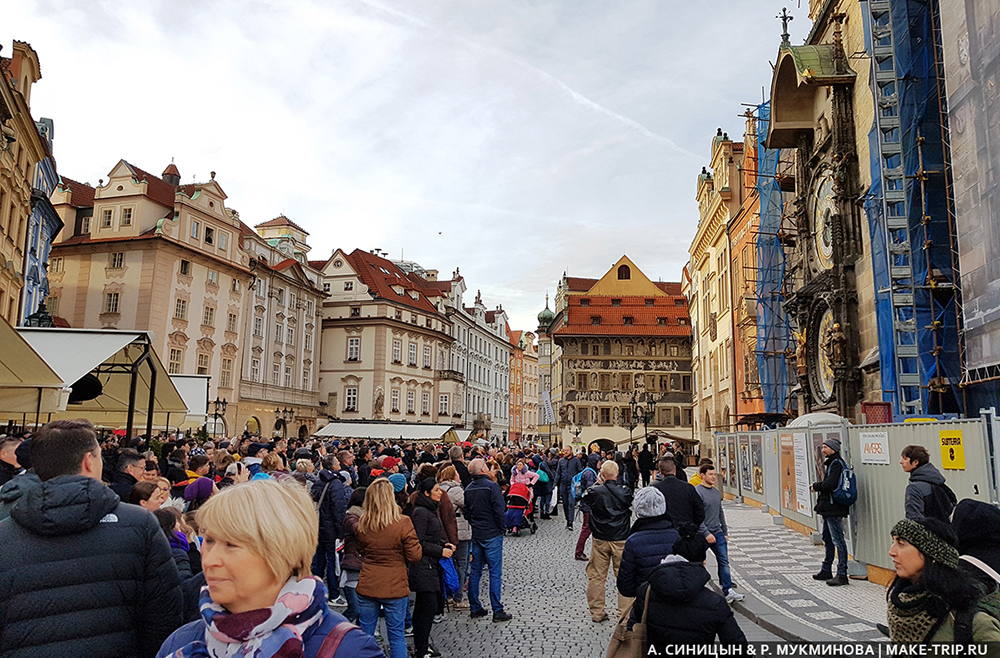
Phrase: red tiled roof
{"type": "Point", "coordinates": [645, 318]}
{"type": "Point", "coordinates": [281, 220]}
{"type": "Point", "coordinates": [580, 284]}
{"type": "Point", "coordinates": [515, 336]}
{"type": "Point", "coordinates": [80, 194]}
{"type": "Point", "coordinates": [491, 316]}
{"type": "Point", "coordinates": [157, 189]}
{"type": "Point", "coordinates": [317, 264]}
{"type": "Point", "coordinates": [285, 264]}
{"type": "Point", "coordinates": [171, 170]}
{"type": "Point", "coordinates": [380, 275]}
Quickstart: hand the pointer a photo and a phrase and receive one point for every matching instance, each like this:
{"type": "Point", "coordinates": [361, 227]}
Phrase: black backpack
{"type": "Point", "coordinates": [940, 502]}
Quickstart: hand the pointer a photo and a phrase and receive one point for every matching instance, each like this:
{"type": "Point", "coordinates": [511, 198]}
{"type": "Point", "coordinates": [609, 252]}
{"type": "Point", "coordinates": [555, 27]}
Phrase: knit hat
{"type": "Point", "coordinates": [977, 525]}
{"type": "Point", "coordinates": [255, 448]}
{"type": "Point", "coordinates": [200, 489]}
{"type": "Point", "coordinates": [398, 481]}
{"type": "Point", "coordinates": [426, 485]}
{"type": "Point", "coordinates": [649, 502]}
{"type": "Point", "coordinates": [833, 444]}
{"type": "Point", "coordinates": [934, 547]}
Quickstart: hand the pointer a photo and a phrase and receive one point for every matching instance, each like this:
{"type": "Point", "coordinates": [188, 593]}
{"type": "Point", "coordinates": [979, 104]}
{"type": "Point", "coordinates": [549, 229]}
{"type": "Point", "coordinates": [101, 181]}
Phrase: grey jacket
{"type": "Point", "coordinates": [920, 493]}
{"type": "Point", "coordinates": [457, 496]}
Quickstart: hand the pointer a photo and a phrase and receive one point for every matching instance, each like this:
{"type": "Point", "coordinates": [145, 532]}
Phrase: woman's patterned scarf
{"type": "Point", "coordinates": [274, 632]}
{"type": "Point", "coordinates": [909, 614]}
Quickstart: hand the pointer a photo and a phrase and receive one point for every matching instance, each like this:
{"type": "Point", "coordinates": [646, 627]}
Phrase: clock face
{"type": "Point", "coordinates": [824, 367]}
{"type": "Point", "coordinates": [822, 208]}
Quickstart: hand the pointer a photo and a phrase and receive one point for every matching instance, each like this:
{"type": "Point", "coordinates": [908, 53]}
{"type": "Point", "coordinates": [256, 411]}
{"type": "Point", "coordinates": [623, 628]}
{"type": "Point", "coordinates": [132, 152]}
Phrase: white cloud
{"type": "Point", "coordinates": [513, 139]}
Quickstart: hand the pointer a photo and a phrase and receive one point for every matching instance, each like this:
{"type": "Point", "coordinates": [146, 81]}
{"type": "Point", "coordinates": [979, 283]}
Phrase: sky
{"type": "Point", "coordinates": [513, 139]}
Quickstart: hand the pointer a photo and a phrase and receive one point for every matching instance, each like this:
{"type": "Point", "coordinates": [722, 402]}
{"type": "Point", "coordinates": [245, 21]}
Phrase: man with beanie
{"type": "Point", "coordinates": [610, 506]}
{"type": "Point", "coordinates": [651, 539]}
{"type": "Point", "coordinates": [255, 456]}
{"type": "Point", "coordinates": [833, 515]}
{"type": "Point", "coordinates": [715, 531]}
{"type": "Point", "coordinates": [926, 494]}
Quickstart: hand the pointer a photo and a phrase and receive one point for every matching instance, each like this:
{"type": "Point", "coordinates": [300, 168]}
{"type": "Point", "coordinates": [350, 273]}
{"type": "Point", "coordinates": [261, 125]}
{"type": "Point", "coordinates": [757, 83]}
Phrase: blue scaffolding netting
{"type": "Point", "coordinates": [907, 209]}
{"type": "Point", "coordinates": [773, 328]}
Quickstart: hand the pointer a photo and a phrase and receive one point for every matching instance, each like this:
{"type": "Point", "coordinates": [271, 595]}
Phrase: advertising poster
{"type": "Point", "coordinates": [745, 478]}
{"type": "Point", "coordinates": [875, 448]}
{"type": "Point", "coordinates": [757, 464]}
{"type": "Point", "coordinates": [723, 462]}
{"type": "Point", "coordinates": [787, 460]}
{"type": "Point", "coordinates": [816, 456]}
{"type": "Point", "coordinates": [803, 468]}
{"type": "Point", "coordinates": [952, 450]}
{"type": "Point", "coordinates": [733, 475]}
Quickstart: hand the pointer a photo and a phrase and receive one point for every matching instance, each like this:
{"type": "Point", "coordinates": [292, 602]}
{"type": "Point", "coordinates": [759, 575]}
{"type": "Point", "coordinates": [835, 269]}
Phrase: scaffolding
{"type": "Point", "coordinates": [773, 326]}
{"type": "Point", "coordinates": [909, 214]}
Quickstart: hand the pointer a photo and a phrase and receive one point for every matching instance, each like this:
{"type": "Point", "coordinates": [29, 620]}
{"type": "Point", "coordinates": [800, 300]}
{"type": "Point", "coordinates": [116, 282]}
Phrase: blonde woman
{"type": "Point", "coordinates": [387, 542]}
{"type": "Point", "coordinates": [261, 599]}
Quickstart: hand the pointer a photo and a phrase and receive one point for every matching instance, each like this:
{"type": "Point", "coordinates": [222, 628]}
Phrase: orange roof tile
{"type": "Point", "coordinates": [281, 220]}
{"type": "Point", "coordinates": [157, 189]}
{"type": "Point", "coordinates": [579, 318]}
{"type": "Point", "coordinates": [380, 275]}
{"type": "Point", "coordinates": [81, 195]}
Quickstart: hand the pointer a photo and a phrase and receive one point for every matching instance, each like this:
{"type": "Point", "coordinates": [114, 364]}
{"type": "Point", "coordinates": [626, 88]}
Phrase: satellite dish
{"type": "Point", "coordinates": [86, 388]}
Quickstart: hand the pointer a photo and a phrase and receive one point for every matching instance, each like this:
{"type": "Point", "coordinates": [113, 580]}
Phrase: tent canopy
{"type": "Point", "coordinates": [27, 383]}
{"type": "Point", "coordinates": [108, 354]}
{"type": "Point", "coordinates": [194, 392]}
{"type": "Point", "coordinates": [397, 431]}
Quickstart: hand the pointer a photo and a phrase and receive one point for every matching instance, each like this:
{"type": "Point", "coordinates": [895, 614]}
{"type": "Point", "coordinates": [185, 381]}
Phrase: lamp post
{"type": "Point", "coordinates": [645, 412]}
{"type": "Point", "coordinates": [632, 422]}
{"type": "Point", "coordinates": [284, 415]}
{"type": "Point", "coordinates": [219, 410]}
{"type": "Point", "coordinates": [39, 318]}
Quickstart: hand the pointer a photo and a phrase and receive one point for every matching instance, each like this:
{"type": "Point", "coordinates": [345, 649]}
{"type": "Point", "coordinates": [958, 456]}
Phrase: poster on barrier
{"type": "Point", "coordinates": [875, 448]}
{"type": "Point", "coordinates": [723, 462]}
{"type": "Point", "coordinates": [787, 459]}
{"type": "Point", "coordinates": [733, 475]}
{"type": "Point", "coordinates": [802, 471]}
{"type": "Point", "coordinates": [745, 474]}
{"type": "Point", "coordinates": [757, 464]}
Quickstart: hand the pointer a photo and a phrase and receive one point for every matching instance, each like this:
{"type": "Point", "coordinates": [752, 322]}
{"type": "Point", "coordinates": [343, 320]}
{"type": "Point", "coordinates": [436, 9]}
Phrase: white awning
{"type": "Point", "coordinates": [390, 431]}
{"type": "Point", "coordinates": [27, 383]}
{"type": "Point", "coordinates": [194, 392]}
{"type": "Point", "coordinates": [73, 353]}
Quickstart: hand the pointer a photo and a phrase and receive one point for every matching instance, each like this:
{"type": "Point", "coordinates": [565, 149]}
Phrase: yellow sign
{"type": "Point", "coordinates": [952, 452]}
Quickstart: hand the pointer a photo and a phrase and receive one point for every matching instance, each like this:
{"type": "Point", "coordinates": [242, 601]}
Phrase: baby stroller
{"type": "Point", "coordinates": [520, 510]}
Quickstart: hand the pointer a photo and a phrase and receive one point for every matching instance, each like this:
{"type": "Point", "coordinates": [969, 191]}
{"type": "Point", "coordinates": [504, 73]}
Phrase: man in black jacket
{"type": "Point", "coordinates": [484, 509]}
{"type": "Point", "coordinates": [567, 468]}
{"type": "Point", "coordinates": [645, 464]}
{"type": "Point", "coordinates": [833, 515]}
{"type": "Point", "coordinates": [82, 573]}
{"type": "Point", "coordinates": [684, 505]}
{"type": "Point", "coordinates": [130, 469]}
{"type": "Point", "coordinates": [610, 512]}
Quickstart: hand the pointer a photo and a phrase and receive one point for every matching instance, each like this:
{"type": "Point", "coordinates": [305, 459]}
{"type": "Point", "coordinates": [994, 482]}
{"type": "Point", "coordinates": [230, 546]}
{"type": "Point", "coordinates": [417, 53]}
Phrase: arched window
{"type": "Point", "coordinates": [624, 272]}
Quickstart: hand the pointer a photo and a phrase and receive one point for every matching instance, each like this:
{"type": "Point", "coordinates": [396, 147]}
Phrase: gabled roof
{"type": "Point", "coordinates": [281, 220]}
{"type": "Point", "coordinates": [81, 195]}
{"type": "Point", "coordinates": [645, 317]}
{"type": "Point", "coordinates": [515, 336]}
{"type": "Point", "coordinates": [157, 189]}
{"type": "Point", "coordinates": [380, 275]}
{"type": "Point", "coordinates": [317, 264]}
{"type": "Point", "coordinates": [581, 284]}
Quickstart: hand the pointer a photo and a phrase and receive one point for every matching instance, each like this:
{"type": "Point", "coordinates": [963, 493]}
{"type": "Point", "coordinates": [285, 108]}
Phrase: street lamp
{"type": "Point", "coordinates": [632, 416]}
{"type": "Point", "coordinates": [283, 416]}
{"type": "Point", "coordinates": [644, 412]}
{"type": "Point", "coordinates": [219, 410]}
{"type": "Point", "coordinates": [39, 318]}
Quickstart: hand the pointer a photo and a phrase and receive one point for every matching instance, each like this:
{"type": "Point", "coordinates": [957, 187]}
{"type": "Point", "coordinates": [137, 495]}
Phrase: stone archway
{"type": "Point", "coordinates": [603, 444]}
{"type": "Point", "coordinates": [303, 431]}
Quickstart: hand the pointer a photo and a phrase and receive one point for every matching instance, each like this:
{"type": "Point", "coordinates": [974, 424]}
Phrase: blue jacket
{"type": "Point", "coordinates": [334, 507]}
{"type": "Point", "coordinates": [484, 508]}
{"type": "Point", "coordinates": [355, 642]}
{"type": "Point", "coordinates": [651, 540]}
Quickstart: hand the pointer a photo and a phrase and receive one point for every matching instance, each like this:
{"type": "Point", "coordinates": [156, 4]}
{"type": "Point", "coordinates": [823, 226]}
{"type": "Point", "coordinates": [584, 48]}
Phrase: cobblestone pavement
{"type": "Point", "coordinates": [775, 564]}
{"type": "Point", "coordinates": [544, 588]}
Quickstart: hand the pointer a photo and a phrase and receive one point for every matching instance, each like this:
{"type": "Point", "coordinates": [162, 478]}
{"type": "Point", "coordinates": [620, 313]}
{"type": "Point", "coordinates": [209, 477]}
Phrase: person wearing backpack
{"type": "Point", "coordinates": [567, 468]}
{"type": "Point", "coordinates": [833, 514]}
{"type": "Point", "coordinates": [927, 495]}
{"type": "Point", "coordinates": [583, 481]}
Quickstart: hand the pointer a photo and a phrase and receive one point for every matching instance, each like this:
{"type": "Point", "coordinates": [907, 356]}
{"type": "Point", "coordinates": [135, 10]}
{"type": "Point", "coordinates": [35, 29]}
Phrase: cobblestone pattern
{"type": "Point", "coordinates": [776, 564]}
{"type": "Point", "coordinates": [544, 588]}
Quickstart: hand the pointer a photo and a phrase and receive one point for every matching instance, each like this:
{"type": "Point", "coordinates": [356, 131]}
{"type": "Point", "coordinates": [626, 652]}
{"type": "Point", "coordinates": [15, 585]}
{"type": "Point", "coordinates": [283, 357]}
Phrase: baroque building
{"type": "Point", "coordinates": [529, 409]}
{"type": "Point", "coordinates": [517, 393]}
{"type": "Point", "coordinates": [146, 252]}
{"type": "Point", "coordinates": [21, 149]}
{"type": "Point", "coordinates": [43, 227]}
{"type": "Point", "coordinates": [619, 339]}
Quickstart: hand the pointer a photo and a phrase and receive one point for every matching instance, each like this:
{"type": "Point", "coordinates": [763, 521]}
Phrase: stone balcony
{"type": "Point", "coordinates": [452, 375]}
{"type": "Point", "coordinates": [278, 394]}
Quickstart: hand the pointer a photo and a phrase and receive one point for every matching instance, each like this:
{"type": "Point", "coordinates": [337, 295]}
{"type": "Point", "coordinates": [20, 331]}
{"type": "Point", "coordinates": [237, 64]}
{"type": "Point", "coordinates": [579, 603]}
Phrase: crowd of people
{"type": "Point", "coordinates": [241, 547]}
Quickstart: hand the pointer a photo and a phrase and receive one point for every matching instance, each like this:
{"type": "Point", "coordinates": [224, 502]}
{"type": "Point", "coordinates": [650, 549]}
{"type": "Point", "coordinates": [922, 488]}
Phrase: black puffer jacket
{"type": "Point", "coordinates": [82, 574]}
{"type": "Point", "coordinates": [610, 510]}
{"type": "Point", "coordinates": [833, 468]}
{"type": "Point", "coordinates": [425, 576]}
{"type": "Point", "coordinates": [682, 610]}
{"type": "Point", "coordinates": [333, 507]}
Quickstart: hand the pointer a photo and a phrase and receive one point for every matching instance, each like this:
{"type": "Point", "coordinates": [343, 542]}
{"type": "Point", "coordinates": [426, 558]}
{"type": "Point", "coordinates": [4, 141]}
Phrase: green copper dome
{"type": "Point", "coordinates": [546, 316]}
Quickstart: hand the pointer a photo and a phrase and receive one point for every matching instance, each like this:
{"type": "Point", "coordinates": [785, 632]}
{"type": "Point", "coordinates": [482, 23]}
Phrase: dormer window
{"type": "Point", "coordinates": [595, 319]}
{"type": "Point", "coordinates": [584, 302]}
{"type": "Point", "coordinates": [397, 289]}
{"type": "Point", "coordinates": [628, 319]}
{"type": "Point", "coordinates": [624, 273]}
{"type": "Point", "coordinates": [616, 302]}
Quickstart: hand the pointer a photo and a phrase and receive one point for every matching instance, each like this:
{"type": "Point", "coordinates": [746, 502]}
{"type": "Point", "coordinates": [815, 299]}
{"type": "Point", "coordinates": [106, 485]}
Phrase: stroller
{"type": "Point", "coordinates": [520, 510]}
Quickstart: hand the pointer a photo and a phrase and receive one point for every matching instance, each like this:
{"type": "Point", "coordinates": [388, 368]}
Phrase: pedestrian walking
{"type": "Point", "coordinates": [83, 574]}
{"type": "Point", "coordinates": [646, 464]}
{"type": "Point", "coordinates": [931, 599]}
{"type": "Point", "coordinates": [566, 470]}
{"type": "Point", "coordinates": [448, 479]}
{"type": "Point", "coordinates": [425, 575]}
{"type": "Point", "coordinates": [927, 495]}
{"type": "Point", "coordinates": [684, 505]}
{"type": "Point", "coordinates": [610, 506]}
{"type": "Point", "coordinates": [651, 538]}
{"type": "Point", "coordinates": [833, 515]}
{"type": "Point", "coordinates": [543, 486]}
{"type": "Point", "coordinates": [484, 506]}
{"type": "Point", "coordinates": [388, 543]}
{"type": "Point", "coordinates": [261, 598]}
{"type": "Point", "coordinates": [715, 530]}
{"type": "Point", "coordinates": [682, 610]}
{"type": "Point", "coordinates": [588, 478]}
